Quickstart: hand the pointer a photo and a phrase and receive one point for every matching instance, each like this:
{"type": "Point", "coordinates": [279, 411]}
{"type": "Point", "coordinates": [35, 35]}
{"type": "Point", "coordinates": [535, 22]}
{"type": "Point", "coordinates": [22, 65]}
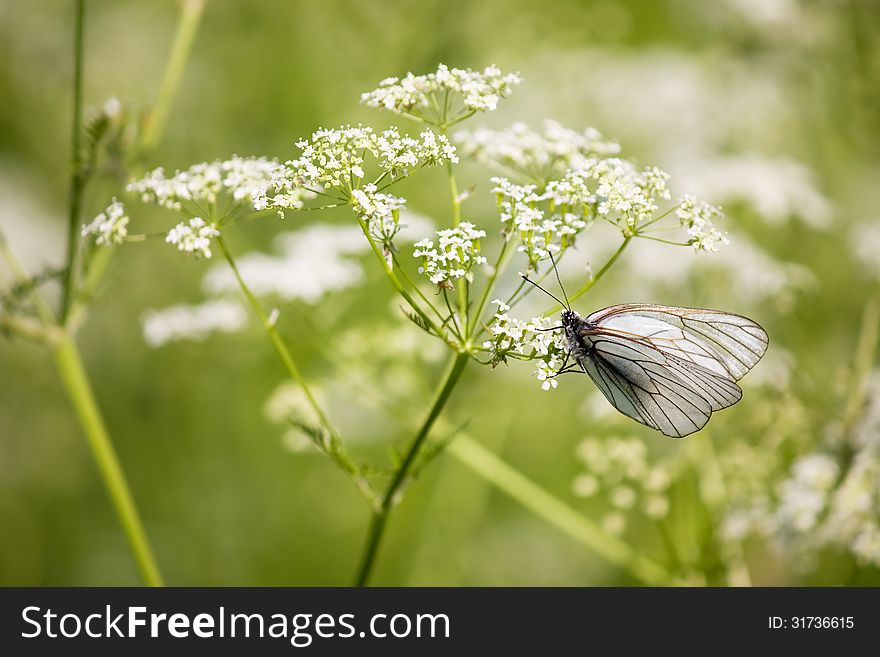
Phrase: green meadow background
{"type": "Point", "coordinates": [683, 84]}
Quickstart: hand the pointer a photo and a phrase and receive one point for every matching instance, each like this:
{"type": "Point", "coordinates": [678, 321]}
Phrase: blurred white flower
{"type": "Point", "coordinates": [478, 91]}
{"type": "Point", "coordinates": [614, 522]}
{"type": "Point", "coordinates": [110, 227]}
{"type": "Point", "coordinates": [777, 189]}
{"type": "Point", "coordinates": [865, 244]}
{"type": "Point", "coordinates": [311, 263]}
{"type": "Point", "coordinates": [245, 179]}
{"type": "Point", "coordinates": [192, 322]}
{"type": "Point", "coordinates": [193, 237]}
{"type": "Point", "coordinates": [554, 148]}
{"type": "Point", "coordinates": [26, 223]}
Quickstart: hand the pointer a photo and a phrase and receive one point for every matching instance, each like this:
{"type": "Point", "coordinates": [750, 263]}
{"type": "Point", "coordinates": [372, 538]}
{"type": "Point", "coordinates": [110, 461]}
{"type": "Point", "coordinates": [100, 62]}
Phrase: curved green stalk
{"type": "Point", "coordinates": [380, 516]}
{"type": "Point", "coordinates": [271, 329]}
{"type": "Point", "coordinates": [76, 383]}
{"type": "Point", "coordinates": [595, 279]}
{"type": "Point", "coordinates": [529, 494]}
{"type": "Point", "coordinates": [187, 27]}
{"type": "Point", "coordinates": [395, 281]}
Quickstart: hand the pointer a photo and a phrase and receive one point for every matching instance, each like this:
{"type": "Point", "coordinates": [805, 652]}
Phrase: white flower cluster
{"type": "Point", "coordinates": [380, 211]}
{"type": "Point", "coordinates": [193, 237]}
{"type": "Point", "coordinates": [544, 225]}
{"type": "Point", "coordinates": [625, 195]}
{"type": "Point", "coordinates": [245, 179]}
{"type": "Point", "coordinates": [535, 153]}
{"type": "Point", "coordinates": [478, 91]}
{"type": "Point", "coordinates": [612, 189]}
{"type": "Point", "coordinates": [697, 218]}
{"type": "Point", "coordinates": [619, 468]}
{"type": "Point", "coordinates": [110, 227]}
{"type": "Point", "coordinates": [336, 158]}
{"type": "Point", "coordinates": [194, 322]}
{"type": "Point", "coordinates": [527, 340]}
{"type": "Point", "coordinates": [456, 252]}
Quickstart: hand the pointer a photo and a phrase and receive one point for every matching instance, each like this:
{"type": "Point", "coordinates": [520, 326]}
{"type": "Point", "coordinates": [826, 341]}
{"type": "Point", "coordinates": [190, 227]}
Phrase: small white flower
{"type": "Point", "coordinates": [456, 252]}
{"type": "Point", "coordinates": [380, 211]}
{"type": "Point", "coordinates": [245, 179]}
{"type": "Point", "coordinates": [193, 237]}
{"type": "Point", "coordinates": [477, 91]}
{"type": "Point", "coordinates": [697, 218]}
{"type": "Point", "coordinates": [110, 227]}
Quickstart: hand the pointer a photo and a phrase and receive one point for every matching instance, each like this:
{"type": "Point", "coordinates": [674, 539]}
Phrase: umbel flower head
{"type": "Point", "coordinates": [245, 179]}
{"type": "Point", "coordinates": [193, 237]}
{"type": "Point", "coordinates": [526, 340]}
{"type": "Point", "coordinates": [452, 256]}
{"type": "Point", "coordinates": [439, 92]}
{"type": "Point", "coordinates": [697, 218]}
{"type": "Point", "coordinates": [110, 227]}
{"type": "Point", "coordinates": [336, 159]}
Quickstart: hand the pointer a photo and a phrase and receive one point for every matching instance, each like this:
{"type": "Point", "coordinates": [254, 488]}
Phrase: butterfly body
{"type": "Point", "coordinates": [577, 333]}
{"type": "Point", "coordinates": [667, 367]}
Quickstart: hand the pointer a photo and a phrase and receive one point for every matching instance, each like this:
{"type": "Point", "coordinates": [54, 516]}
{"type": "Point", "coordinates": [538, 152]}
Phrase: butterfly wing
{"type": "Point", "coordinates": [714, 339]}
{"type": "Point", "coordinates": [638, 381]}
{"type": "Point", "coordinates": [654, 368]}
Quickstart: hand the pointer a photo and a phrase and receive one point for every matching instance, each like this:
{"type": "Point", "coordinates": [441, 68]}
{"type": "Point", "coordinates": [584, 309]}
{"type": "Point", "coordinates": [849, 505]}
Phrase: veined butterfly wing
{"type": "Point", "coordinates": [668, 367]}
{"type": "Point", "coordinates": [707, 337]}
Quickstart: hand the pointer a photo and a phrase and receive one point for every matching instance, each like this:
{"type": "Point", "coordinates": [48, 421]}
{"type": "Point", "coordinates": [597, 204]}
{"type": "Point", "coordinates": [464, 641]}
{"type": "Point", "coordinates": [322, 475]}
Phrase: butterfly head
{"type": "Point", "coordinates": [574, 326]}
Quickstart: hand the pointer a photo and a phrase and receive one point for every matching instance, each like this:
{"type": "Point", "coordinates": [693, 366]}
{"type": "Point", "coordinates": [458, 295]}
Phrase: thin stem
{"type": "Point", "coordinates": [380, 516]}
{"type": "Point", "coordinates": [395, 281]}
{"type": "Point", "coordinates": [492, 469]}
{"type": "Point", "coordinates": [461, 287]}
{"type": "Point", "coordinates": [76, 384]}
{"type": "Point", "coordinates": [21, 276]}
{"type": "Point", "coordinates": [595, 279]}
{"type": "Point", "coordinates": [412, 284]}
{"type": "Point", "coordinates": [77, 179]}
{"type": "Point", "coordinates": [499, 265]}
{"type": "Point", "coordinates": [272, 330]}
{"type": "Point", "coordinates": [662, 241]}
{"type": "Point", "coordinates": [563, 517]}
{"type": "Point", "coordinates": [187, 27]}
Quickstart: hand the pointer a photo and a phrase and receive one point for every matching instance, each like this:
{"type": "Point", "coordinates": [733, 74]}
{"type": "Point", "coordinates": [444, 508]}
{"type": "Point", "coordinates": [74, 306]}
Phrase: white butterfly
{"type": "Point", "coordinates": [666, 367]}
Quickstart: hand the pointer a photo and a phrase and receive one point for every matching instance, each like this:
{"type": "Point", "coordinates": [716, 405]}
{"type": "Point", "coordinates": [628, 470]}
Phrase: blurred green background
{"type": "Point", "coordinates": [771, 109]}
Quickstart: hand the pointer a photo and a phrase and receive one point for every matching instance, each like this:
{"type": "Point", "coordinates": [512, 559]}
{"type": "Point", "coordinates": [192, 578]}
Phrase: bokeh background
{"type": "Point", "coordinates": [770, 108]}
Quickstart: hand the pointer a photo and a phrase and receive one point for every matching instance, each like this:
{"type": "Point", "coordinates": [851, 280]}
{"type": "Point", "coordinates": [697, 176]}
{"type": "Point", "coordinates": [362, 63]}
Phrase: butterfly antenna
{"type": "Point", "coordinates": [549, 294]}
{"type": "Point", "coordinates": [558, 280]}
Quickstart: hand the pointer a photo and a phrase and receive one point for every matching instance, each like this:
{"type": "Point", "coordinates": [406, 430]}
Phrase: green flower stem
{"type": "Point", "coordinates": [380, 516]}
{"type": "Point", "coordinates": [499, 265]}
{"type": "Point", "coordinates": [595, 279]}
{"type": "Point", "coordinates": [77, 178]}
{"type": "Point", "coordinates": [395, 281]}
{"type": "Point", "coordinates": [546, 506]}
{"type": "Point", "coordinates": [76, 384]}
{"type": "Point", "coordinates": [272, 330]}
{"type": "Point", "coordinates": [491, 469]}
{"type": "Point", "coordinates": [21, 276]}
{"type": "Point", "coordinates": [462, 285]}
{"type": "Point", "coordinates": [187, 27]}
